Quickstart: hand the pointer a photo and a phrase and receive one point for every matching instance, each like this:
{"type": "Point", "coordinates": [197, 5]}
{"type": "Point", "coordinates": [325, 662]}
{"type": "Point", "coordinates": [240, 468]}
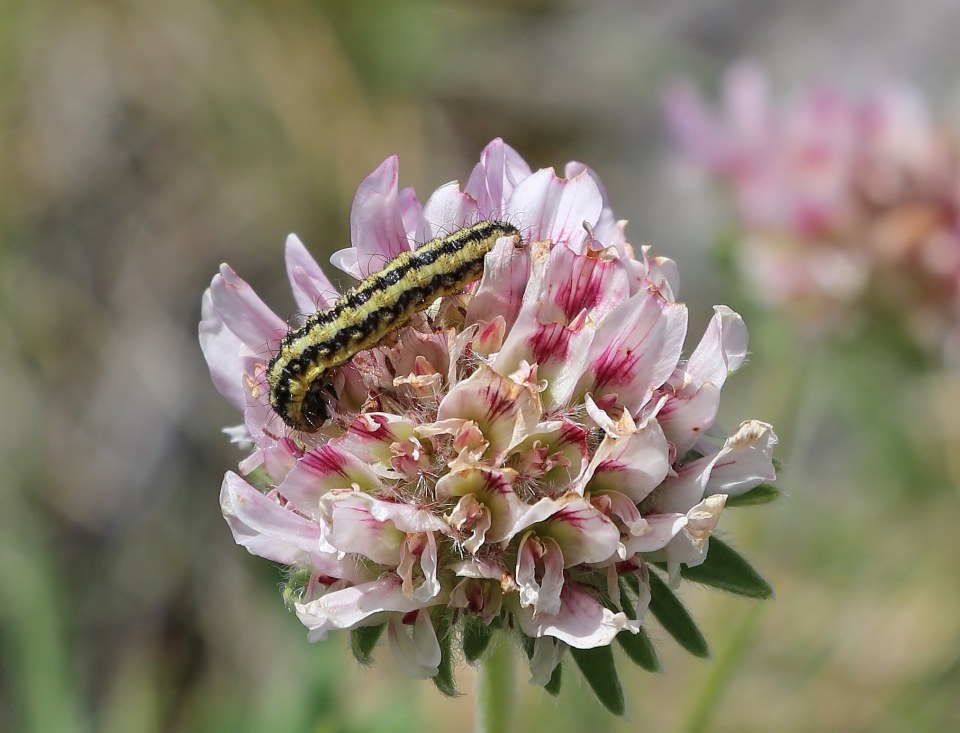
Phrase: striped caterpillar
{"type": "Point", "coordinates": [299, 374]}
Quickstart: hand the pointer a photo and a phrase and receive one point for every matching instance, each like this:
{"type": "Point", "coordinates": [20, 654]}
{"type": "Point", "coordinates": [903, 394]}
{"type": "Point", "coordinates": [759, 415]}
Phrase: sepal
{"type": "Point", "coordinates": [600, 671]}
{"type": "Point", "coordinates": [675, 618]}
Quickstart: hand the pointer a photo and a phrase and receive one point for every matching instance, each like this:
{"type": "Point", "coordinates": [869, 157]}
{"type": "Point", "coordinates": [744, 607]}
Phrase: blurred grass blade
{"type": "Point", "coordinates": [675, 618]}
{"type": "Point", "coordinates": [727, 570]}
{"type": "Point", "coordinates": [702, 708]}
{"type": "Point", "coordinates": [600, 671]}
{"type": "Point", "coordinates": [762, 494]}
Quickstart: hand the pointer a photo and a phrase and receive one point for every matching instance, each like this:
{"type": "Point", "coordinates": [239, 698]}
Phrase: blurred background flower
{"type": "Point", "coordinates": [847, 204]}
{"type": "Point", "coordinates": [144, 143]}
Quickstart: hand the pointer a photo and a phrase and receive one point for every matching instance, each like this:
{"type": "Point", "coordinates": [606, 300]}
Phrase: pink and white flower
{"type": "Point", "coordinates": [515, 450]}
{"type": "Point", "coordinates": [848, 205]}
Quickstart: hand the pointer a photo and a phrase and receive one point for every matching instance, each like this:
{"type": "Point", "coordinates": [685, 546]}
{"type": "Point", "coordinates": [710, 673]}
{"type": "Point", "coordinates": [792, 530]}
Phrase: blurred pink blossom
{"type": "Point", "coordinates": [848, 205]}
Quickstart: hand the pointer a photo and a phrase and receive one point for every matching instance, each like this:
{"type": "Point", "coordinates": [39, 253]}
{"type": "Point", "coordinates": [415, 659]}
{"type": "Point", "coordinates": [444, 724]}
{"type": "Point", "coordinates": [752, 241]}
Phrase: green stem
{"type": "Point", "coordinates": [496, 689]}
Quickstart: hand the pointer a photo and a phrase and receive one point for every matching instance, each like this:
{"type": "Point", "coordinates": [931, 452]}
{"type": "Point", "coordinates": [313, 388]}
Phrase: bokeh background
{"type": "Point", "coordinates": [143, 143]}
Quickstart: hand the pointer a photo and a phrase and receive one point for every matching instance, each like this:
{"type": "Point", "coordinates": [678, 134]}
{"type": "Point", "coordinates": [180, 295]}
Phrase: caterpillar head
{"type": "Point", "coordinates": [302, 403]}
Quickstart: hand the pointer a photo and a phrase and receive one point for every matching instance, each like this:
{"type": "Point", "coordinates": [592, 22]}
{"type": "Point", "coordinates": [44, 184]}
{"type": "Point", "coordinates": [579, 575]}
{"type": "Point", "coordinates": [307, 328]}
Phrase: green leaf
{"type": "Point", "coordinates": [476, 638]}
{"type": "Point", "coordinates": [762, 494]}
{"type": "Point", "coordinates": [638, 647]}
{"type": "Point", "coordinates": [601, 674]}
{"type": "Point", "coordinates": [444, 679]}
{"type": "Point", "coordinates": [727, 570]}
{"type": "Point", "coordinates": [362, 642]}
{"type": "Point", "coordinates": [675, 618]}
{"type": "Point", "coordinates": [553, 686]}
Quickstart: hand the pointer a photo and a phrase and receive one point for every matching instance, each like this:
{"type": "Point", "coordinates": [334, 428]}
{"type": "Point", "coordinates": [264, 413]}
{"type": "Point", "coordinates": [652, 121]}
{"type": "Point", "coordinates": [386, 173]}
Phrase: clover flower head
{"type": "Point", "coordinates": [517, 457]}
{"type": "Point", "coordinates": [848, 205]}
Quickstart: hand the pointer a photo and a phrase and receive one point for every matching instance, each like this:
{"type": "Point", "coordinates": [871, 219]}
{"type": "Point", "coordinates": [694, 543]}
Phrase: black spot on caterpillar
{"type": "Point", "coordinates": [298, 375]}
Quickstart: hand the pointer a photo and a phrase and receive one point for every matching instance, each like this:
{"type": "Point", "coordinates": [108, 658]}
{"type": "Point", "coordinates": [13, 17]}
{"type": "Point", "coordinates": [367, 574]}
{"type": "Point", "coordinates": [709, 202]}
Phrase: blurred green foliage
{"type": "Point", "coordinates": [144, 143]}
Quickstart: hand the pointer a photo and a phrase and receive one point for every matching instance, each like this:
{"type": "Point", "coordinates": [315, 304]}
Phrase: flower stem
{"type": "Point", "coordinates": [496, 691]}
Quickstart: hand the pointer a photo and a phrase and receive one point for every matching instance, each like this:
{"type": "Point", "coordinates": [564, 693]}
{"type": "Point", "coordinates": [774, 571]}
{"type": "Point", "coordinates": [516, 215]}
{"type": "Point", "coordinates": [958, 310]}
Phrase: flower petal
{"type": "Point", "coordinates": [635, 349]}
{"type": "Point", "coordinates": [633, 464]}
{"type": "Point", "coordinates": [539, 574]}
{"type": "Point", "coordinates": [660, 530]}
{"type": "Point", "coordinates": [371, 437]}
{"type": "Point", "coordinates": [312, 290]}
{"type": "Point", "coordinates": [722, 349]}
{"type": "Point", "coordinates": [325, 469]}
{"type": "Point", "coordinates": [552, 208]}
{"type": "Point", "coordinates": [584, 534]}
{"type": "Point", "coordinates": [377, 228]}
{"type": "Point", "coordinates": [360, 524]}
{"type": "Point", "coordinates": [420, 655]}
{"type": "Point", "coordinates": [221, 348]}
{"type": "Point", "coordinates": [547, 653]}
{"type": "Point", "coordinates": [263, 526]}
{"type": "Point", "coordinates": [496, 175]}
{"type": "Point", "coordinates": [349, 608]}
{"type": "Point", "coordinates": [504, 410]}
{"type": "Point", "coordinates": [242, 311]}
{"type": "Point", "coordinates": [689, 547]}
{"type": "Point", "coordinates": [566, 292]}
{"type": "Point", "coordinates": [745, 461]}
{"type": "Point", "coordinates": [493, 489]}
{"type": "Point", "coordinates": [447, 210]}
{"type": "Point", "coordinates": [506, 270]}
{"type": "Point", "coordinates": [582, 621]}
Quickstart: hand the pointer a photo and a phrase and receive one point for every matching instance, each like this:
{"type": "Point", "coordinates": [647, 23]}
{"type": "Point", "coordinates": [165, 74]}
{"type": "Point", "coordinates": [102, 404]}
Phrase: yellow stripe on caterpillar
{"type": "Point", "coordinates": [298, 374]}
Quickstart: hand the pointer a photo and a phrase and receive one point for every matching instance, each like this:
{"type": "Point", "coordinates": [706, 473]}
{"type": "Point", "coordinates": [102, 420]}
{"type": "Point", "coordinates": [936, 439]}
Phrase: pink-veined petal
{"type": "Point", "coordinates": [493, 489]}
{"type": "Point", "coordinates": [506, 271]}
{"type": "Point", "coordinates": [582, 622]}
{"type": "Point", "coordinates": [325, 469]}
{"type": "Point", "coordinates": [360, 524]}
{"type": "Point", "coordinates": [584, 534]}
{"type": "Point", "coordinates": [635, 349]}
{"type": "Point", "coordinates": [371, 436]}
{"type": "Point", "coordinates": [504, 410]}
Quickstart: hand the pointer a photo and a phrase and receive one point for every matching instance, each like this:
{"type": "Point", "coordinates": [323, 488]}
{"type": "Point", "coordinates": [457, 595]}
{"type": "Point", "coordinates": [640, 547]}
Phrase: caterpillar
{"type": "Point", "coordinates": [299, 374]}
